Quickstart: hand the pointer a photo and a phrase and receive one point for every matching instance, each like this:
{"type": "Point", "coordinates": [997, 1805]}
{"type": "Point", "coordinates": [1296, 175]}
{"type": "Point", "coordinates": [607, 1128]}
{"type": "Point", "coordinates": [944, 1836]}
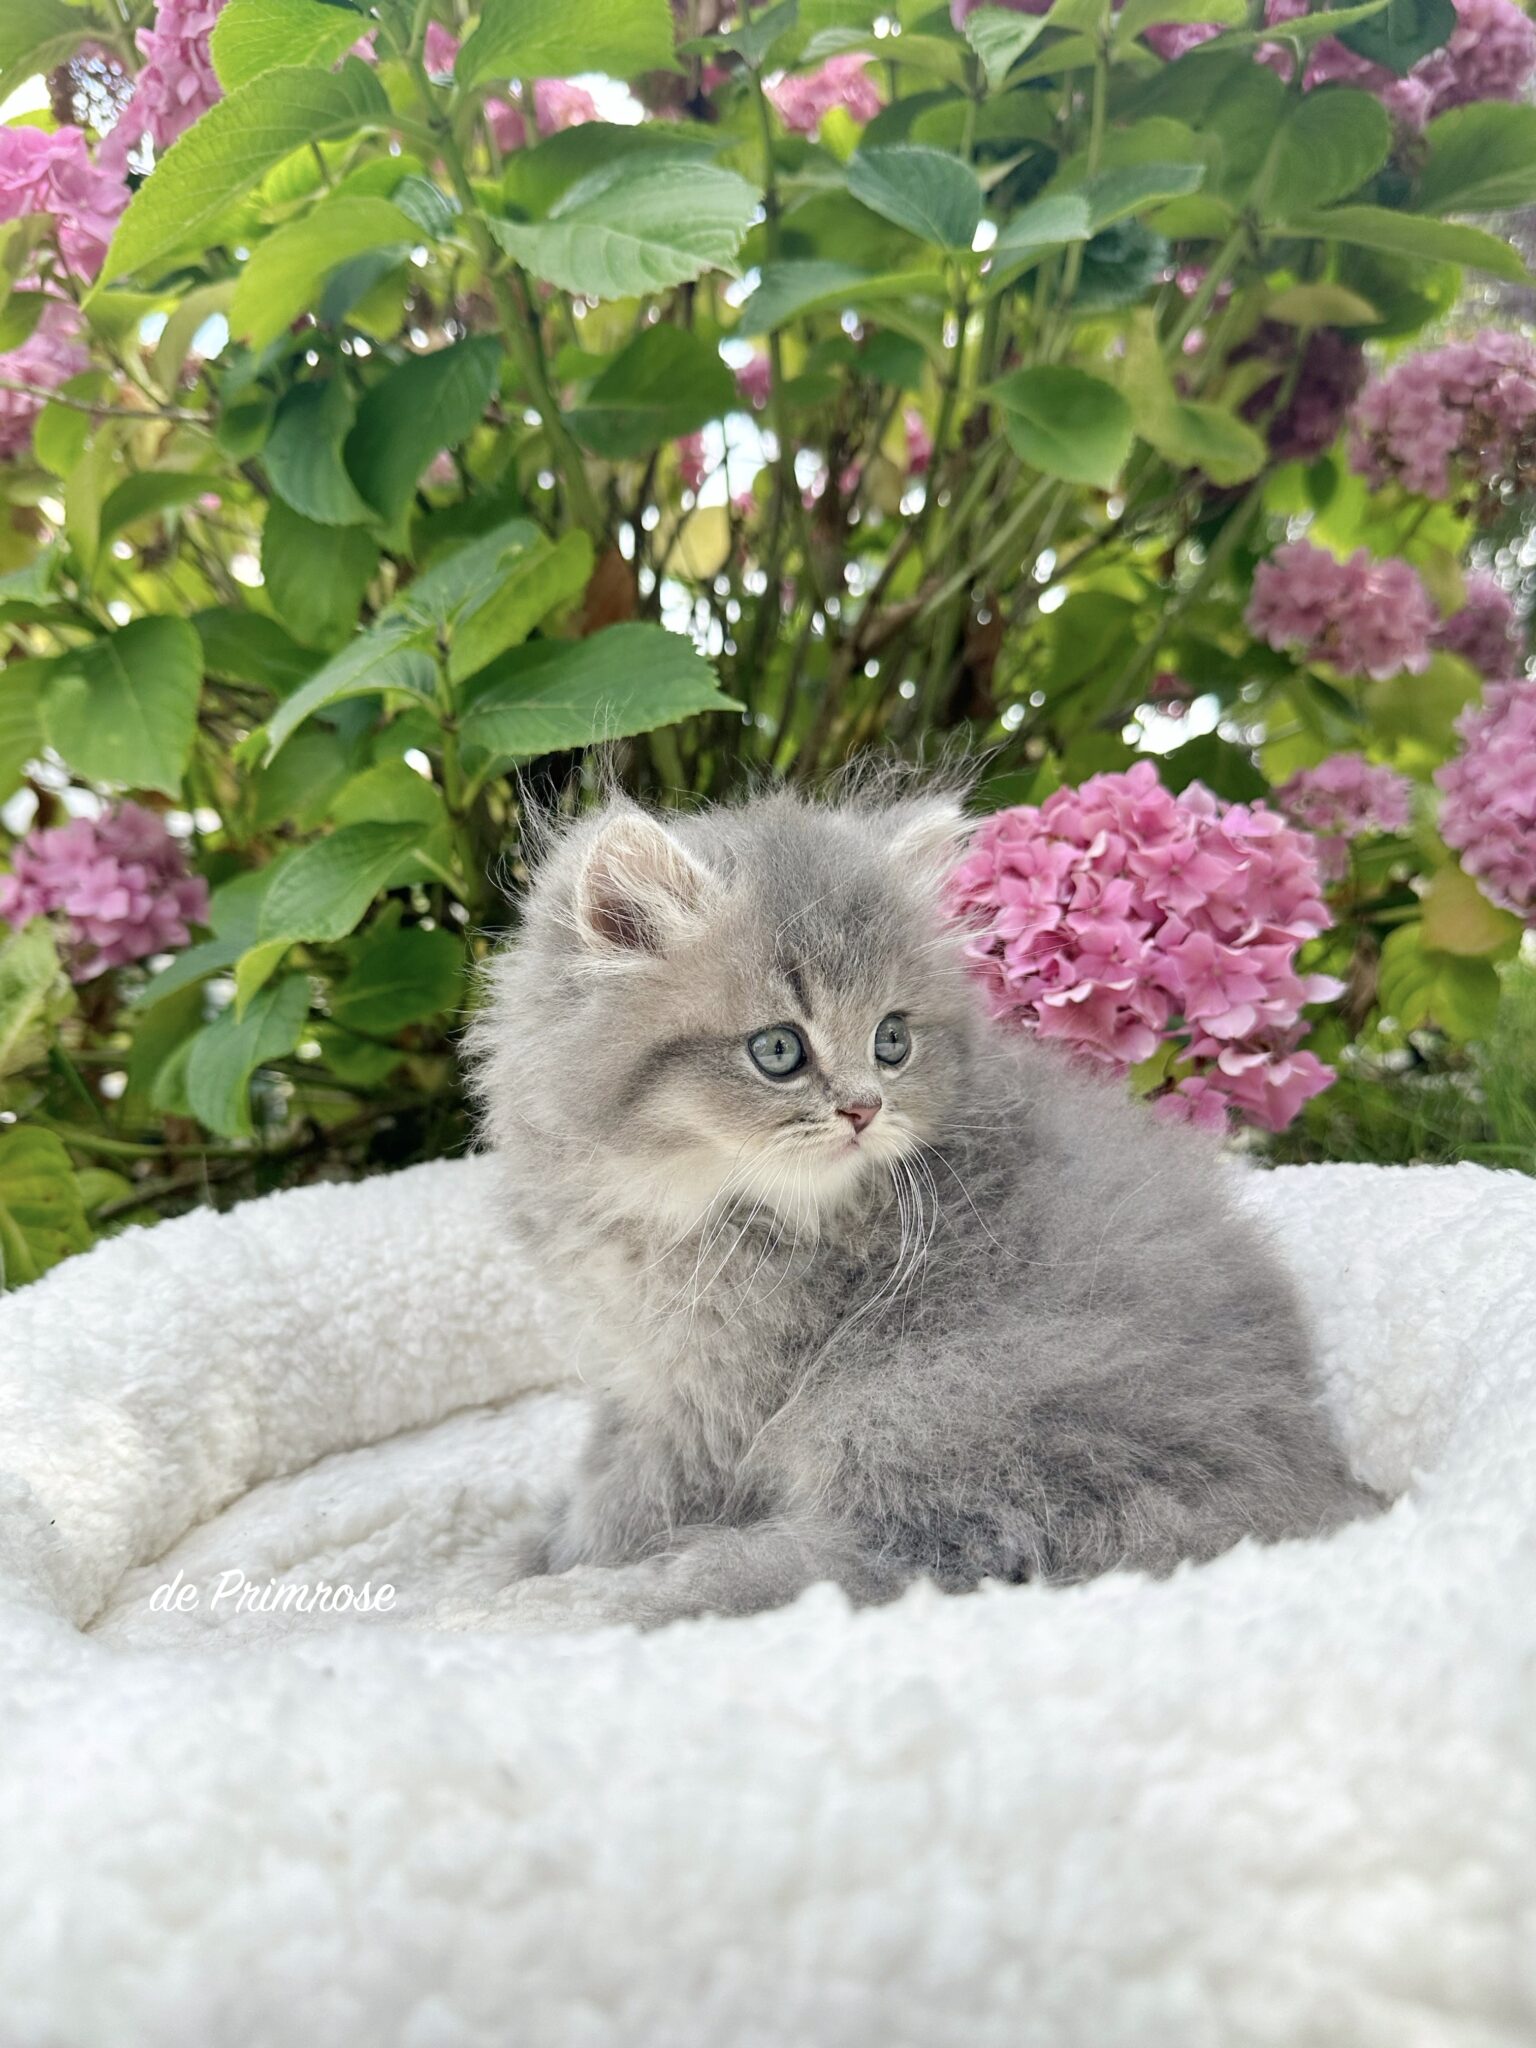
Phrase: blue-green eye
{"type": "Point", "coordinates": [893, 1041]}
{"type": "Point", "coordinates": [777, 1052]}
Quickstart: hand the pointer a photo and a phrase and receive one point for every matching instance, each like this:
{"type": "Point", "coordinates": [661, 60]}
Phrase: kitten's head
{"type": "Point", "coordinates": [762, 998]}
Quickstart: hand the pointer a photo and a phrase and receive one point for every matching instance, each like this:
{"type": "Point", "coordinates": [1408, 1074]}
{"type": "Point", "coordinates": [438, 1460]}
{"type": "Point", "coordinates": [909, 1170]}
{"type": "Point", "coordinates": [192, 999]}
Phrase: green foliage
{"type": "Point", "coordinates": [339, 592]}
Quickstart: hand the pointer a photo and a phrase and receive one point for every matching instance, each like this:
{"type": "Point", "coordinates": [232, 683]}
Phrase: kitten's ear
{"type": "Point", "coordinates": [930, 833]}
{"type": "Point", "coordinates": [638, 888]}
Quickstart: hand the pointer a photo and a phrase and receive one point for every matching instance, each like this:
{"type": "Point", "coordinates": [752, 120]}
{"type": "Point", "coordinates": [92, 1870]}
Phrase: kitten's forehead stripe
{"type": "Point", "coordinates": [798, 988]}
{"type": "Point", "coordinates": [648, 1071]}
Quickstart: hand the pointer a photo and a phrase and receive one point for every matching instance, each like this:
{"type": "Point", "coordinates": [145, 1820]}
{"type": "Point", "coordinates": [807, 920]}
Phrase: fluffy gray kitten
{"type": "Point", "coordinates": [865, 1288]}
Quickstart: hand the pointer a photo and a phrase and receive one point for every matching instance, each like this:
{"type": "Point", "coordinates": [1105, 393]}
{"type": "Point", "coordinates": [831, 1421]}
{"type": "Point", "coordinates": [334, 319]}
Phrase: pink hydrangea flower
{"type": "Point", "coordinates": [1490, 55]}
{"type": "Point", "coordinates": [1327, 382]}
{"type": "Point", "coordinates": [692, 461]}
{"type": "Point", "coordinates": [558, 104]}
{"type": "Point", "coordinates": [1485, 631]}
{"type": "Point", "coordinates": [754, 380]}
{"type": "Point", "coordinates": [177, 83]}
{"type": "Point", "coordinates": [1118, 917]}
{"type": "Point", "coordinates": [1367, 617]}
{"type": "Point", "coordinates": [49, 357]}
{"type": "Point", "coordinates": [1172, 40]}
{"type": "Point", "coordinates": [56, 175]}
{"type": "Point", "coordinates": [803, 99]}
{"type": "Point", "coordinates": [919, 441]}
{"type": "Point", "coordinates": [1489, 813]}
{"type": "Point", "coordinates": [1341, 799]}
{"type": "Point", "coordinates": [1464, 411]}
{"type": "Point", "coordinates": [439, 50]}
{"type": "Point", "coordinates": [118, 883]}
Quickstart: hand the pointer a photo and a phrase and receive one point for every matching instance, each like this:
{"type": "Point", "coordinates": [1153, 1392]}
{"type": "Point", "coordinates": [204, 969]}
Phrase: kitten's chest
{"type": "Point", "coordinates": [722, 1325]}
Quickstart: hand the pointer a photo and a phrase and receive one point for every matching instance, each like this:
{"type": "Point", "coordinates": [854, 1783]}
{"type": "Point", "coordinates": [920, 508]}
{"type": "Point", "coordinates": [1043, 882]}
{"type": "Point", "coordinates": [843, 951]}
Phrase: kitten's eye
{"type": "Point", "coordinates": [777, 1052]}
{"type": "Point", "coordinates": [893, 1041]}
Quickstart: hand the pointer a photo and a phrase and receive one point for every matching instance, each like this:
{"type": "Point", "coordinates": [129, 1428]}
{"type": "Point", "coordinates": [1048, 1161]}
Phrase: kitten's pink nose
{"type": "Point", "coordinates": [860, 1113]}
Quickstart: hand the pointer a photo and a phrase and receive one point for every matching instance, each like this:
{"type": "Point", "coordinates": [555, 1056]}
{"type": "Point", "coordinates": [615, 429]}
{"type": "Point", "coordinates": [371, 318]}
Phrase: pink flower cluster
{"type": "Point", "coordinates": [120, 883]}
{"type": "Point", "coordinates": [1341, 799]}
{"type": "Point", "coordinates": [692, 461]}
{"type": "Point", "coordinates": [177, 83]}
{"type": "Point", "coordinates": [1485, 631]}
{"type": "Point", "coordinates": [49, 357]}
{"type": "Point", "coordinates": [1365, 616]}
{"type": "Point", "coordinates": [1118, 917]}
{"type": "Point", "coordinates": [56, 175]}
{"type": "Point", "coordinates": [754, 380]}
{"type": "Point", "coordinates": [557, 103]}
{"type": "Point", "coordinates": [1489, 813]}
{"type": "Point", "coordinates": [802, 100]}
{"type": "Point", "coordinates": [1464, 411]}
{"type": "Point", "coordinates": [1490, 55]}
{"type": "Point", "coordinates": [918, 439]}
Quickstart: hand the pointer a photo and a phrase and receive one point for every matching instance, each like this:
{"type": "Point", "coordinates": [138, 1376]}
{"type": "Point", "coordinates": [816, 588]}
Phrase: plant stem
{"type": "Point", "coordinates": [518, 323]}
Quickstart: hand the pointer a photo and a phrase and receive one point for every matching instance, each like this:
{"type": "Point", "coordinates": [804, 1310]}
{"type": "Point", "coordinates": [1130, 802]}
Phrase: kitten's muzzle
{"type": "Point", "coordinates": [861, 1113]}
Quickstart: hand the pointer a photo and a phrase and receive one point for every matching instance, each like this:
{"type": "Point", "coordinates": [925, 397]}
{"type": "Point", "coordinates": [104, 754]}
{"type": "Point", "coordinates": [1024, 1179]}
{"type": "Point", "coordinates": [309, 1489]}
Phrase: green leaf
{"type": "Point", "coordinates": [253, 36]}
{"type": "Point", "coordinates": [247, 647]}
{"type": "Point", "coordinates": [386, 657]}
{"type": "Point", "coordinates": [664, 384]}
{"type": "Point", "coordinates": [930, 193]}
{"type": "Point", "coordinates": [1048, 223]}
{"type": "Point", "coordinates": [29, 979]}
{"type": "Point", "coordinates": [1000, 39]}
{"type": "Point", "coordinates": [150, 491]}
{"type": "Point", "coordinates": [1143, 14]}
{"type": "Point", "coordinates": [1410, 234]}
{"type": "Point", "coordinates": [36, 35]}
{"type": "Point", "coordinates": [1332, 141]}
{"type": "Point", "coordinates": [231, 149]}
{"type": "Point", "coordinates": [754, 40]}
{"type": "Point", "coordinates": [1418, 986]}
{"type": "Point", "coordinates": [1481, 159]}
{"type": "Point", "coordinates": [552, 39]}
{"type": "Point", "coordinates": [787, 290]}
{"type": "Point", "coordinates": [42, 1217]}
{"type": "Point", "coordinates": [435, 599]}
{"type": "Point", "coordinates": [316, 576]}
{"type": "Point", "coordinates": [558, 694]}
{"type": "Point", "coordinates": [226, 1053]}
{"type": "Point", "coordinates": [21, 731]}
{"type": "Point", "coordinates": [1458, 918]}
{"type": "Point", "coordinates": [1402, 32]}
{"type": "Point", "coordinates": [527, 590]}
{"type": "Point", "coordinates": [1321, 305]}
{"type": "Point", "coordinates": [428, 403]}
{"type": "Point", "coordinates": [1192, 435]}
{"type": "Point", "coordinates": [294, 791]}
{"type": "Point", "coordinates": [19, 318]}
{"type": "Point", "coordinates": [400, 977]}
{"type": "Point", "coordinates": [123, 708]}
{"type": "Point", "coordinates": [1132, 188]}
{"type": "Point", "coordinates": [284, 274]}
{"type": "Point", "coordinates": [303, 454]}
{"type": "Point", "coordinates": [1187, 434]}
{"type": "Point", "coordinates": [324, 890]}
{"type": "Point", "coordinates": [636, 226]}
{"type": "Point", "coordinates": [1065, 423]}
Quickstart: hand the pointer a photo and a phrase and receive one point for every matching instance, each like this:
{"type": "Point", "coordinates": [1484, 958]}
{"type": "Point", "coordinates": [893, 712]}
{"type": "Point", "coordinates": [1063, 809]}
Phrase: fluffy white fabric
{"type": "Point", "coordinates": [1287, 1798]}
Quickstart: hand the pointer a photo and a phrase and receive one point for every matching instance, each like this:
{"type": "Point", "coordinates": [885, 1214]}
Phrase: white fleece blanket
{"type": "Point", "coordinates": [1287, 1798]}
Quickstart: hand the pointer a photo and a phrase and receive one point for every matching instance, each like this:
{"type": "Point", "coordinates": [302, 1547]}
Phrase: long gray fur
{"type": "Point", "coordinates": [1017, 1329]}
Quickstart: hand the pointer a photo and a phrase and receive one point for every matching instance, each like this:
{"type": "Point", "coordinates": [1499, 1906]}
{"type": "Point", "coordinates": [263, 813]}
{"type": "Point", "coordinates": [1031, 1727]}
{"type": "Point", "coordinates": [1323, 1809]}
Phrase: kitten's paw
{"type": "Point", "coordinates": [529, 1555]}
